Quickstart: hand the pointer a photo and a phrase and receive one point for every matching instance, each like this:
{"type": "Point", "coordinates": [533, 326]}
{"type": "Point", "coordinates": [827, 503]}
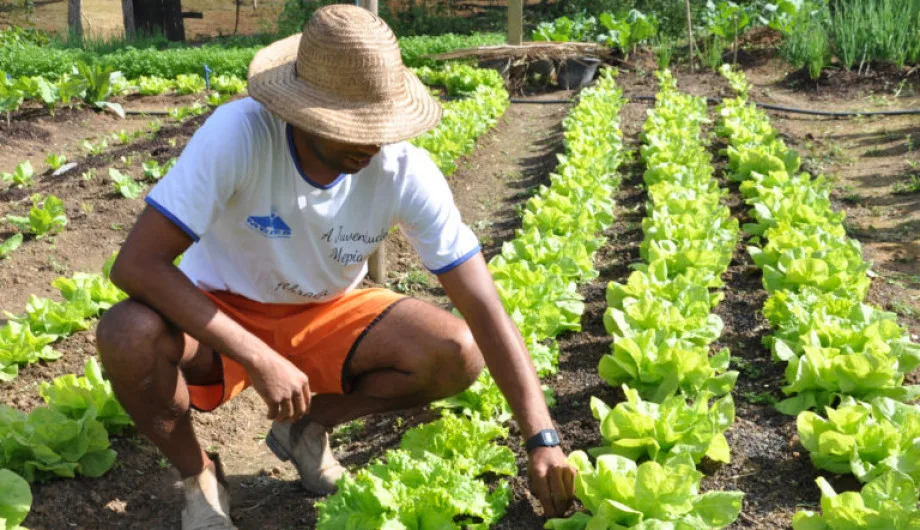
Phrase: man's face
{"type": "Point", "coordinates": [342, 157]}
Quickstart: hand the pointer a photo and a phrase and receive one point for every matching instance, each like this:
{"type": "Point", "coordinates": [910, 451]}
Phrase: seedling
{"type": "Point", "coordinates": [22, 177]}
{"type": "Point", "coordinates": [126, 186]}
{"type": "Point", "coordinates": [9, 245]}
{"type": "Point", "coordinates": [95, 149]}
{"type": "Point", "coordinates": [45, 217]}
{"type": "Point", "coordinates": [154, 171]}
{"type": "Point", "coordinates": [55, 161]}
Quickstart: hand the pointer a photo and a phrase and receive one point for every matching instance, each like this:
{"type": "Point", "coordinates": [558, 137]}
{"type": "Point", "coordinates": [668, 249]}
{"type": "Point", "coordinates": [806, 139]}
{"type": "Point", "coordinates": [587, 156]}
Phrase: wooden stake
{"type": "Point", "coordinates": [735, 21]}
{"type": "Point", "coordinates": [377, 264]}
{"type": "Point", "coordinates": [515, 22]}
{"type": "Point", "coordinates": [690, 34]}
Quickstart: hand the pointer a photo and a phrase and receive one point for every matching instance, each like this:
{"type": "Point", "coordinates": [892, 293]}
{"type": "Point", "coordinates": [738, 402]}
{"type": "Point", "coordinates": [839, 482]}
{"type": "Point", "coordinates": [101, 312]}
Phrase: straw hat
{"type": "Point", "coordinates": [343, 79]}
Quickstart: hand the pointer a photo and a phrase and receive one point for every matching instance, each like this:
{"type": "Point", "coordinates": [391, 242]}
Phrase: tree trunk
{"type": "Point", "coordinates": [74, 24]}
{"type": "Point", "coordinates": [127, 15]}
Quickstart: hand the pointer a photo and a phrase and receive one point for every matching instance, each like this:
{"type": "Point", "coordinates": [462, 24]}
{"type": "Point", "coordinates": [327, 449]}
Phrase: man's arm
{"type": "Point", "coordinates": [144, 269]}
{"type": "Point", "coordinates": [471, 289]}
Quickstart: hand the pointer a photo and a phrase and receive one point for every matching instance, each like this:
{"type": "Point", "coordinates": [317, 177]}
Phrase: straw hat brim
{"type": "Point", "coordinates": [274, 83]}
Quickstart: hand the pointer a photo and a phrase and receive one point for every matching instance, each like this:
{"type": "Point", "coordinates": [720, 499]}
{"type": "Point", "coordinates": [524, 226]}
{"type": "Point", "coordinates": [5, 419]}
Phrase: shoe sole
{"type": "Point", "coordinates": [275, 447]}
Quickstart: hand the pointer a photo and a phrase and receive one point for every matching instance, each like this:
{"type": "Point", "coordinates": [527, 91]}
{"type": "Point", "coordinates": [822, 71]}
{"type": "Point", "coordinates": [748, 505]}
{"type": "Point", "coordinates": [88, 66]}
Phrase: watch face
{"type": "Point", "coordinates": [549, 437]}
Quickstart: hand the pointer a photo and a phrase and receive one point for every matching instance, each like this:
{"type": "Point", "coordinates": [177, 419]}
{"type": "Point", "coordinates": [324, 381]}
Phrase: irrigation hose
{"type": "Point", "coordinates": [710, 100]}
{"type": "Point", "coordinates": [769, 106]}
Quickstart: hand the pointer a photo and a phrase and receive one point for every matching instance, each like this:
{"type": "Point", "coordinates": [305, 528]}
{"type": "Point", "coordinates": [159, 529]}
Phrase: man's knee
{"type": "Point", "coordinates": [132, 330]}
{"type": "Point", "coordinates": [461, 364]}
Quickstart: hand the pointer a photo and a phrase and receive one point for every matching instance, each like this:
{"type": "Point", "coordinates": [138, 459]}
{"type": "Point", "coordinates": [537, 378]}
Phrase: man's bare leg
{"type": "Point", "coordinates": [417, 353]}
{"type": "Point", "coordinates": [150, 363]}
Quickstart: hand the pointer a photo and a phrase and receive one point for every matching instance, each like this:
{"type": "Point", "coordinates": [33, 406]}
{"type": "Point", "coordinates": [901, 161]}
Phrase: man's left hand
{"type": "Point", "coordinates": [552, 480]}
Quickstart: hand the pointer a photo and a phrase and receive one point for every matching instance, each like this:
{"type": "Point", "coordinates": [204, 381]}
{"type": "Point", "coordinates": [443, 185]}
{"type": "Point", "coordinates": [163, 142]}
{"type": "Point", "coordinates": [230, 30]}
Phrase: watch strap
{"type": "Point", "coordinates": [544, 438]}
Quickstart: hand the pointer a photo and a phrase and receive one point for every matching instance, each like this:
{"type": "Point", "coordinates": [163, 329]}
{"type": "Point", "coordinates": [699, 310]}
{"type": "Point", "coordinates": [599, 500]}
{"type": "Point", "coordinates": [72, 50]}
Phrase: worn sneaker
{"type": "Point", "coordinates": [306, 444]}
{"type": "Point", "coordinates": [207, 502]}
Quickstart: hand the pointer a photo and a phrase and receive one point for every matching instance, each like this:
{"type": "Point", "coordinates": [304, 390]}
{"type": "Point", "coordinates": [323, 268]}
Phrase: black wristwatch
{"type": "Point", "coordinates": [544, 438]}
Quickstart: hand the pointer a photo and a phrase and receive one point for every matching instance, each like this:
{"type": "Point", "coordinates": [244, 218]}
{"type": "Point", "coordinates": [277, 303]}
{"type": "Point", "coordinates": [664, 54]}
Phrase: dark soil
{"type": "Point", "coordinates": [839, 82]}
{"type": "Point", "coordinates": [98, 218]}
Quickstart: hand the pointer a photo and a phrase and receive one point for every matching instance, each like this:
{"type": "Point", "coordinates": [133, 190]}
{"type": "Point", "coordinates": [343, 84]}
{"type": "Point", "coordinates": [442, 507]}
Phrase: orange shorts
{"type": "Point", "coordinates": [318, 338]}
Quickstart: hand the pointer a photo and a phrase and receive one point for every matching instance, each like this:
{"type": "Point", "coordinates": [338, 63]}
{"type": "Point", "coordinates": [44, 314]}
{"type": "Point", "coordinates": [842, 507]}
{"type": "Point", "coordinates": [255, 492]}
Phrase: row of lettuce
{"type": "Point", "coordinates": [845, 358]}
{"type": "Point", "coordinates": [537, 275]}
{"type": "Point", "coordinates": [23, 58]}
{"type": "Point", "coordinates": [63, 77]}
{"type": "Point", "coordinates": [677, 405]}
{"type": "Point", "coordinates": [70, 436]}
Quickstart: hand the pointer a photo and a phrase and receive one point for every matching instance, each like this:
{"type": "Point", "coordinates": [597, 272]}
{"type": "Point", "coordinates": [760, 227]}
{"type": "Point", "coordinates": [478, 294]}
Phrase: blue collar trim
{"type": "Point", "coordinates": [296, 160]}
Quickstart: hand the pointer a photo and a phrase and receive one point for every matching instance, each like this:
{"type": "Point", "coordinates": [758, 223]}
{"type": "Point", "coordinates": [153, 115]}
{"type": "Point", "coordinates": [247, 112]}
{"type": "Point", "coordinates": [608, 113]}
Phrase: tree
{"type": "Point", "coordinates": [74, 24]}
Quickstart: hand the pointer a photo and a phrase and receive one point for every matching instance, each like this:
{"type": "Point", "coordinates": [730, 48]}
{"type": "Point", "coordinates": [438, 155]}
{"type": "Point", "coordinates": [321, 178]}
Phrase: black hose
{"type": "Point", "coordinates": [769, 106]}
{"type": "Point", "coordinates": [791, 110]}
{"type": "Point", "coordinates": [710, 100]}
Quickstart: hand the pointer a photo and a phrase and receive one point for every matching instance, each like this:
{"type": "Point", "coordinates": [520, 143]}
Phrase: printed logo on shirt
{"type": "Point", "coordinates": [270, 226]}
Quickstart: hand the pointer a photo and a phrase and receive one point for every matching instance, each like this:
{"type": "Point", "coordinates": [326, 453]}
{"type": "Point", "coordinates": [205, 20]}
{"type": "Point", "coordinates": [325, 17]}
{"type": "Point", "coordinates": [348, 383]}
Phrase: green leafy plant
{"type": "Point", "coordinates": [48, 94]}
{"type": "Point", "coordinates": [11, 96]}
{"type": "Point", "coordinates": [19, 346]}
{"type": "Point", "coordinates": [181, 114]}
{"type": "Point", "coordinates": [618, 493]}
{"type": "Point", "coordinates": [228, 84]}
{"type": "Point", "coordinates": [122, 137]}
{"type": "Point", "coordinates": [46, 444]}
{"type": "Point", "coordinates": [189, 84]}
{"type": "Point", "coordinates": [55, 319]}
{"type": "Point", "coordinates": [467, 442]}
{"type": "Point", "coordinates": [98, 81]}
{"type": "Point", "coordinates": [642, 430]}
{"type": "Point", "coordinates": [153, 85]}
{"type": "Point", "coordinates": [47, 216]}
{"type": "Point", "coordinates": [73, 396]}
{"type": "Point", "coordinates": [407, 492]}
{"type": "Point", "coordinates": [154, 171]}
{"type": "Point", "coordinates": [95, 149]}
{"type": "Point", "coordinates": [70, 88]}
{"type": "Point", "coordinates": [55, 161]}
{"type": "Point", "coordinates": [216, 99]}
{"type": "Point", "coordinates": [125, 185]}
{"type": "Point", "coordinates": [864, 439]}
{"type": "Point", "coordinates": [889, 501]}
{"type": "Point", "coordinates": [15, 500]}
{"type": "Point", "coordinates": [911, 185]}
{"type": "Point", "coordinates": [22, 177]}
{"type": "Point", "coordinates": [9, 245]}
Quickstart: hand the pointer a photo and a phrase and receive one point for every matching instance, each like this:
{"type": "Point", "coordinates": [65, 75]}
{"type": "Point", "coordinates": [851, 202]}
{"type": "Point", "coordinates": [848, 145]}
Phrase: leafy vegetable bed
{"type": "Point", "coordinates": [839, 350]}
{"type": "Point", "coordinates": [435, 479]}
{"type": "Point", "coordinates": [662, 328]}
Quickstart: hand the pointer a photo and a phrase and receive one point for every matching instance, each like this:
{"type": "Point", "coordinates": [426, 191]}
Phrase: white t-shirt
{"type": "Point", "coordinates": [264, 230]}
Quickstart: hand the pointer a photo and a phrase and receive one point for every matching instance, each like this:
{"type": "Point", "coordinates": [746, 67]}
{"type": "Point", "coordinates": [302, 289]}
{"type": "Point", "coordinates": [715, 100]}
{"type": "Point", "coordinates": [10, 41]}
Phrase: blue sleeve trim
{"type": "Point", "coordinates": [169, 215]}
{"type": "Point", "coordinates": [457, 262]}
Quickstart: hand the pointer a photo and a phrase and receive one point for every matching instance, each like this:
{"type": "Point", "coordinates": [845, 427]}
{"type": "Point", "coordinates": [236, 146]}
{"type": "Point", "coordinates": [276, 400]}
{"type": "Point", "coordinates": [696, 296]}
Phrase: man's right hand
{"type": "Point", "coordinates": [283, 387]}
